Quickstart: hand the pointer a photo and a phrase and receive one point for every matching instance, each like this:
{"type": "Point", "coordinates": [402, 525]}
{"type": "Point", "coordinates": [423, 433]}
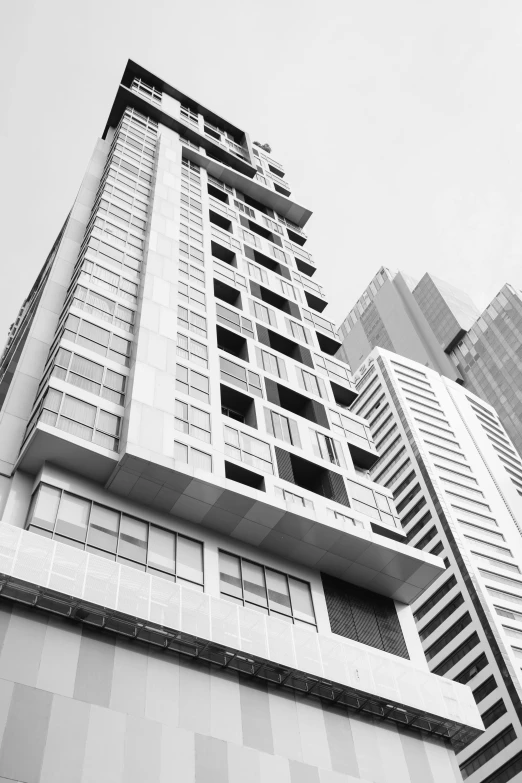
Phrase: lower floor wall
{"type": "Point", "coordinates": [82, 706]}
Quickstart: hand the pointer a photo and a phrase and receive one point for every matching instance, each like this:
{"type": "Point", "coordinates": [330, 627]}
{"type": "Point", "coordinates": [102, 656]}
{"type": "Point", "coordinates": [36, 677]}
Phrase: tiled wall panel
{"type": "Point", "coordinates": [80, 706]}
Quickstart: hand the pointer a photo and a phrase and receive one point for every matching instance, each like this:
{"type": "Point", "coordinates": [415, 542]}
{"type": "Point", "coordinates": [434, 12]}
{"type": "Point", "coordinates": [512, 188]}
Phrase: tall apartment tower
{"type": "Point", "coordinates": [488, 357]}
{"type": "Point", "coordinates": [441, 454]}
{"type": "Point", "coordinates": [413, 320]}
{"type": "Point", "coordinates": [198, 579]}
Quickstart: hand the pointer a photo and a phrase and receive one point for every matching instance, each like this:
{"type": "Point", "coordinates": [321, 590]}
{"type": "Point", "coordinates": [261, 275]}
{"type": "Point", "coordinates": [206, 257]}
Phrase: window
{"type": "Point", "coordinates": [282, 427]}
{"type": "Point", "coordinates": [191, 253]}
{"type": "Point", "coordinates": [79, 418]}
{"type": "Point", "coordinates": [297, 331]}
{"type": "Point", "coordinates": [109, 533]}
{"type": "Point", "coordinates": [278, 254]}
{"type": "Point", "coordinates": [257, 273]}
{"type": "Point", "coordinates": [348, 427]}
{"type": "Point", "coordinates": [234, 321]}
{"type": "Point", "coordinates": [343, 518]}
{"type": "Point", "coordinates": [109, 281]}
{"type": "Point", "coordinates": [239, 376]}
{"type": "Point", "coordinates": [448, 636]}
{"type": "Point", "coordinates": [495, 562]}
{"type": "Point", "coordinates": [327, 448]}
{"type": "Point", "coordinates": [310, 382]}
{"type": "Point", "coordinates": [251, 238]}
{"type": "Point", "coordinates": [187, 114]}
{"type": "Point", "coordinates": [371, 503]}
{"type": "Point", "coordinates": [190, 273]}
{"type": "Point", "coordinates": [191, 296]}
{"type": "Point", "coordinates": [192, 383]}
{"type": "Point", "coordinates": [437, 596]}
{"type": "Point", "coordinates": [263, 313]}
{"type": "Point", "coordinates": [101, 307]}
{"type": "Point", "coordinates": [192, 321]}
{"type": "Point", "coordinates": [270, 363]}
{"type": "Point", "coordinates": [494, 713]}
{"type": "Point", "coordinates": [87, 375]}
{"type": "Point", "coordinates": [192, 421]}
{"type": "Point", "coordinates": [243, 208]}
{"type": "Point", "coordinates": [457, 655]}
{"type": "Point", "coordinates": [193, 457]}
{"type": "Point", "coordinates": [247, 449]}
{"type": "Point", "coordinates": [439, 618]}
{"type": "Point", "coordinates": [488, 751]}
{"type": "Point", "coordinates": [332, 369]}
{"type": "Point", "coordinates": [291, 497]}
{"type": "Point", "coordinates": [487, 687]}
{"type": "Point", "coordinates": [265, 590]}
{"type": "Point", "coordinates": [191, 350]}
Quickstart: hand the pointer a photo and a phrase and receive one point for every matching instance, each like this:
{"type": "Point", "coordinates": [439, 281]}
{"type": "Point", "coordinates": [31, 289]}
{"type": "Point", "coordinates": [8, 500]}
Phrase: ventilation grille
{"type": "Point", "coordinates": [363, 616]}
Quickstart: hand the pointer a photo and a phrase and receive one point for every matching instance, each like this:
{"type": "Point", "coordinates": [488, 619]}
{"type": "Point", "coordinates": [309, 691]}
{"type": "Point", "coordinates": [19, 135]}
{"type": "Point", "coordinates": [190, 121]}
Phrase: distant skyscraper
{"type": "Point", "coordinates": [449, 312]}
{"type": "Point", "coordinates": [489, 358]}
{"type": "Point", "coordinates": [389, 316]}
{"type": "Point", "coordinates": [441, 453]}
{"type": "Point", "coordinates": [198, 579]}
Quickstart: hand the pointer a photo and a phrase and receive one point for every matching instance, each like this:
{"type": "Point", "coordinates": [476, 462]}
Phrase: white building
{"type": "Point", "coordinates": [441, 453]}
{"type": "Point", "coordinates": [212, 584]}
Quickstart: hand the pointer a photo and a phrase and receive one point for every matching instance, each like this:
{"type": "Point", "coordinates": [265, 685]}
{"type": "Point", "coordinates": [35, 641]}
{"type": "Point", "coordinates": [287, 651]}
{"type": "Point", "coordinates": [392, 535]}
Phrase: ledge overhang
{"type": "Point", "coordinates": [339, 548]}
{"type": "Point", "coordinates": [57, 578]}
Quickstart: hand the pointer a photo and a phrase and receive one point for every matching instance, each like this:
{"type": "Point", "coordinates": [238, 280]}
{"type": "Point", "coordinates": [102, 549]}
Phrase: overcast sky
{"type": "Point", "coordinates": [399, 123]}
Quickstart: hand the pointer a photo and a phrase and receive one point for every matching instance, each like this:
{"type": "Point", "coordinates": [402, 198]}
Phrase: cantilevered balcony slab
{"type": "Point", "coordinates": [89, 589]}
{"type": "Point", "coordinates": [346, 548]}
{"type": "Point", "coordinates": [49, 444]}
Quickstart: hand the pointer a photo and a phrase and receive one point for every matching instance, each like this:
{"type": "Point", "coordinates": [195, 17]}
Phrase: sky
{"type": "Point", "coordinates": [399, 123]}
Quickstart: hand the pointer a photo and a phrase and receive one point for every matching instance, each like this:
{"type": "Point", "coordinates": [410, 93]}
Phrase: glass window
{"type": "Point", "coordinates": [190, 560]}
{"type": "Point", "coordinates": [103, 528]}
{"type": "Point", "coordinates": [264, 589]}
{"type": "Point", "coordinates": [137, 543]}
{"type": "Point", "coordinates": [230, 575]}
{"type": "Point", "coordinates": [47, 502]}
{"type": "Point", "coordinates": [73, 517]}
{"type": "Point", "coordinates": [301, 600]}
{"type": "Point", "coordinates": [162, 549]}
{"type": "Point", "coordinates": [133, 539]}
{"type": "Point", "coordinates": [254, 584]}
{"type": "Point", "coordinates": [278, 592]}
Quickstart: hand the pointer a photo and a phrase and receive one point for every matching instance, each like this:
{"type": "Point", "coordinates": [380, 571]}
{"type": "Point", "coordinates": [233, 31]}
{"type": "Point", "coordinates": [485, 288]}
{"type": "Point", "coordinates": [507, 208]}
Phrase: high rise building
{"type": "Point", "coordinates": [441, 454]}
{"type": "Point", "coordinates": [489, 359]}
{"type": "Point", "coordinates": [198, 579]}
{"type": "Point", "coordinates": [437, 325]}
{"type": "Point", "coordinates": [399, 315]}
{"type": "Point", "coordinates": [449, 311]}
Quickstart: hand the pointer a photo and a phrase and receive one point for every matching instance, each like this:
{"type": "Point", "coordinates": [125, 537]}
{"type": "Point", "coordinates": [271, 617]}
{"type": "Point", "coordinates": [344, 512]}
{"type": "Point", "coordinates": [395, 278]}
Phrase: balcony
{"type": "Point", "coordinates": [75, 584]}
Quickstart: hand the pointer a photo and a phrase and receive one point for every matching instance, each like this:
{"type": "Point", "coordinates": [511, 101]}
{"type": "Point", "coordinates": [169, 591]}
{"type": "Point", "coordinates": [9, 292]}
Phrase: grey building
{"type": "Point", "coordinates": [442, 456]}
{"type": "Point", "coordinates": [199, 581]}
{"type": "Point", "coordinates": [449, 311]}
{"type": "Point", "coordinates": [489, 358]}
{"type": "Point", "coordinates": [390, 315]}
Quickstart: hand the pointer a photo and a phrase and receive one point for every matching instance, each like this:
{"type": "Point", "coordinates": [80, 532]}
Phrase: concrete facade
{"type": "Point", "coordinates": [199, 579]}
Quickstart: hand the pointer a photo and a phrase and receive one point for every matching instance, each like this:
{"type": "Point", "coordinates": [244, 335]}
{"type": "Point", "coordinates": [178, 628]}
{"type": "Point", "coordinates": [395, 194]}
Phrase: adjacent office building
{"type": "Point", "coordinates": [437, 325]}
{"type": "Point", "coordinates": [442, 456]}
{"type": "Point", "coordinates": [199, 580]}
{"type": "Point", "coordinates": [418, 320]}
{"type": "Point", "coordinates": [489, 359]}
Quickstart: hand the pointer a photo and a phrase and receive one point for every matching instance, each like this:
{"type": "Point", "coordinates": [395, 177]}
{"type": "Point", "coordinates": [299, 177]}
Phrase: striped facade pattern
{"type": "Point", "coordinates": [99, 709]}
